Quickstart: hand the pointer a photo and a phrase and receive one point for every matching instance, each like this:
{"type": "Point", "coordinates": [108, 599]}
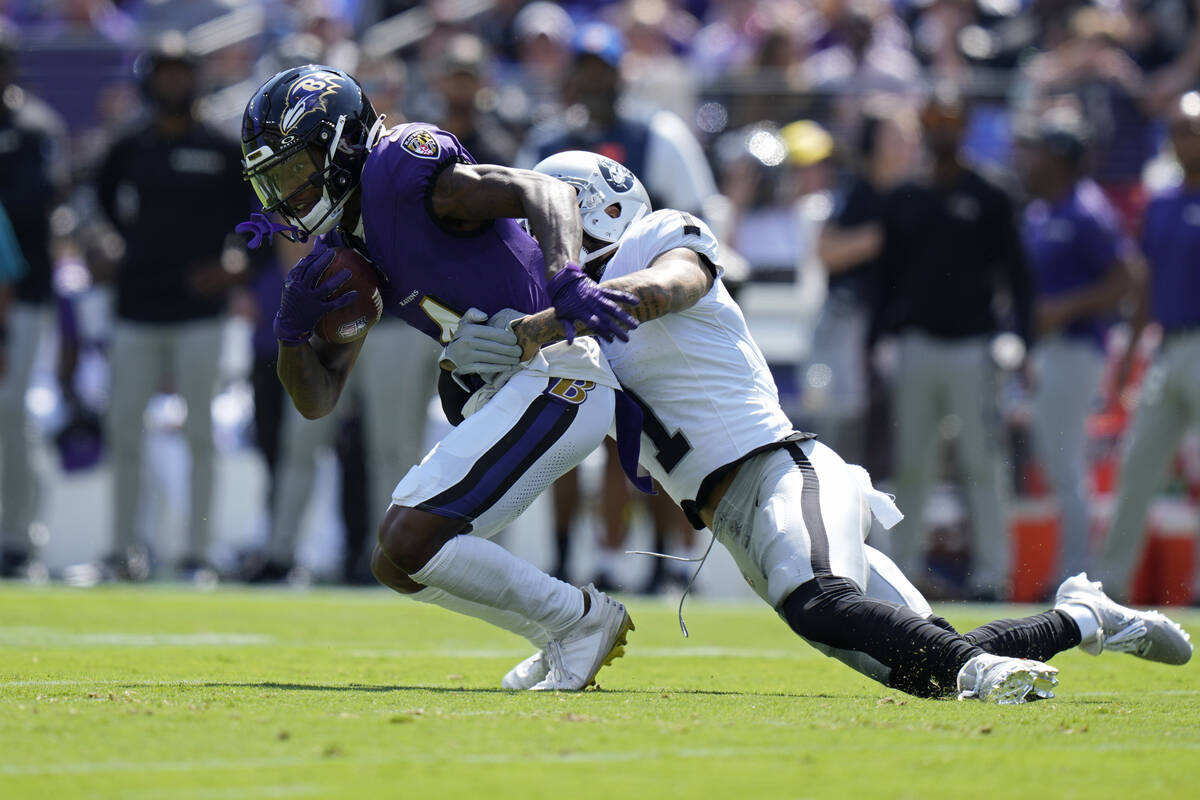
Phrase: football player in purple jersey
{"type": "Point", "coordinates": [443, 233]}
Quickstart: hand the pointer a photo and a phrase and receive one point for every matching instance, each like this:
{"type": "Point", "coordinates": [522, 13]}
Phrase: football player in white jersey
{"type": "Point", "coordinates": [793, 514]}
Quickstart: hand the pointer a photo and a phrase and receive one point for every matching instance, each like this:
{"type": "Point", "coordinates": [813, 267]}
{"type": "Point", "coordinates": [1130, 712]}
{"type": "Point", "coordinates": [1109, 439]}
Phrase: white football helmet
{"type": "Point", "coordinates": [611, 198]}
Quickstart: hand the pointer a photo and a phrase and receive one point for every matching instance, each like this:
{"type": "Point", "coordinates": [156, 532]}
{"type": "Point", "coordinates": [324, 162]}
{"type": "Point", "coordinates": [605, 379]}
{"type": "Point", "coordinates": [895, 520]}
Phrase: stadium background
{"type": "Point", "coordinates": [735, 72]}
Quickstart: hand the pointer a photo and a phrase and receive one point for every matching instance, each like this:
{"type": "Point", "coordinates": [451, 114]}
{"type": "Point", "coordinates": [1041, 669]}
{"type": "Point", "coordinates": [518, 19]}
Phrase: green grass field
{"type": "Point", "coordinates": [167, 692]}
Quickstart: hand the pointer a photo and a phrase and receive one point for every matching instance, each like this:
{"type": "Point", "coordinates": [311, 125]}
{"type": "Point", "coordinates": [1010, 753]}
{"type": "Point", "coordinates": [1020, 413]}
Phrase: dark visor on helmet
{"type": "Point", "coordinates": [291, 184]}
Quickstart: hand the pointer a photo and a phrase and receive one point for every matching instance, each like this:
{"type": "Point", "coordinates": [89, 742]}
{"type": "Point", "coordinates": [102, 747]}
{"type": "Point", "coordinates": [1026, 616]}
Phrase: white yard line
{"type": "Point", "coordinates": [216, 793]}
{"type": "Point", "coordinates": [53, 637]}
{"type": "Point", "coordinates": [89, 767]}
{"type": "Point", "coordinates": [127, 682]}
{"type": "Point", "coordinates": [617, 756]}
{"type": "Point", "coordinates": [699, 651]}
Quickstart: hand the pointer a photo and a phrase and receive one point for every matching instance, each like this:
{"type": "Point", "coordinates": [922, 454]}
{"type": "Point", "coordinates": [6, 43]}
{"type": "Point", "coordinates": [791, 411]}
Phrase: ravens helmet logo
{"type": "Point", "coordinates": [306, 95]}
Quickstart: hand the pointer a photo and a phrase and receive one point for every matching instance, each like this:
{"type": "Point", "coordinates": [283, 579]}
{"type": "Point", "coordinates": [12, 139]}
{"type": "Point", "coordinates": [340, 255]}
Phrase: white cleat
{"type": "Point", "coordinates": [591, 643]}
{"type": "Point", "coordinates": [528, 673]}
{"type": "Point", "coordinates": [1145, 634]}
{"type": "Point", "coordinates": [1006, 681]}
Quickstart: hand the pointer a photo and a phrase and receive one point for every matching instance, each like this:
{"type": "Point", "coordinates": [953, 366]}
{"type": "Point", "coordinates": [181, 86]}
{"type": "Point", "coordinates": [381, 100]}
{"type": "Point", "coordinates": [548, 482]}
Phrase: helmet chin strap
{"type": "Point", "coordinates": [376, 132]}
{"type": "Point", "coordinates": [586, 258]}
{"type": "Point", "coordinates": [325, 214]}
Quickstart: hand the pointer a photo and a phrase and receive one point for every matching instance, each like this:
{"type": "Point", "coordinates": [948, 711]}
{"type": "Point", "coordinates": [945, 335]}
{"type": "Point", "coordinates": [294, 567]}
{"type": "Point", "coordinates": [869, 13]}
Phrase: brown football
{"type": "Point", "coordinates": [349, 324]}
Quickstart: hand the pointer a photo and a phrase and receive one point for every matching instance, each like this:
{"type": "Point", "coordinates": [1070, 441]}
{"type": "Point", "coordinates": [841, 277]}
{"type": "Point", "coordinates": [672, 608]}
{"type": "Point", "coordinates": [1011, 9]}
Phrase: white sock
{"type": "Point", "coordinates": [1085, 620]}
{"type": "Point", "coordinates": [483, 572]}
{"type": "Point", "coordinates": [507, 620]}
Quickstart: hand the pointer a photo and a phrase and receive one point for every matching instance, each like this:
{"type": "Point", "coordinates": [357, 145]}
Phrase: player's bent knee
{"type": "Point", "coordinates": [392, 576]}
{"type": "Point", "coordinates": [410, 537]}
{"type": "Point", "coordinates": [817, 610]}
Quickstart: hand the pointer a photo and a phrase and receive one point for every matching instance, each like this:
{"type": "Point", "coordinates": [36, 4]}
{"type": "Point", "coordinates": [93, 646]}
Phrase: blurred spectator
{"type": "Point", "coordinates": [461, 83]}
{"type": "Point", "coordinates": [529, 93]}
{"type": "Point", "coordinates": [496, 26]}
{"type": "Point", "coordinates": [937, 35]}
{"type": "Point", "coordinates": [860, 48]}
{"type": "Point", "coordinates": [769, 176]}
{"type": "Point", "coordinates": [660, 149]}
{"type": "Point", "coordinates": [1178, 33]}
{"type": "Point", "coordinates": [266, 286]}
{"type": "Point", "coordinates": [330, 24]}
{"type": "Point", "coordinates": [772, 84]}
{"type": "Point", "coordinates": [15, 556]}
{"type": "Point", "coordinates": [1170, 395]}
{"type": "Point", "coordinates": [655, 72]}
{"type": "Point", "coordinates": [86, 19]}
{"type": "Point", "coordinates": [171, 177]}
{"type": "Point", "coordinates": [734, 32]}
{"type": "Point", "coordinates": [385, 78]}
{"type": "Point", "coordinates": [1091, 66]}
{"type": "Point", "coordinates": [948, 237]}
{"type": "Point", "coordinates": [13, 267]}
{"type": "Point", "coordinates": [1083, 265]}
{"type": "Point", "coordinates": [850, 248]}
{"type": "Point", "coordinates": [32, 180]}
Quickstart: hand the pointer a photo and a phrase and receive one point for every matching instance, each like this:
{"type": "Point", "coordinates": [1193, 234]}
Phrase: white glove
{"type": "Point", "coordinates": [480, 349]}
{"type": "Point", "coordinates": [505, 317]}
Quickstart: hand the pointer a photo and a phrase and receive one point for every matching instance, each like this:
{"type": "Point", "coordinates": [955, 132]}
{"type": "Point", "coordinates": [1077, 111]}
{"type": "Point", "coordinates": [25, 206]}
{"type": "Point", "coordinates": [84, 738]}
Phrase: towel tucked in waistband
{"type": "Point", "coordinates": [882, 505]}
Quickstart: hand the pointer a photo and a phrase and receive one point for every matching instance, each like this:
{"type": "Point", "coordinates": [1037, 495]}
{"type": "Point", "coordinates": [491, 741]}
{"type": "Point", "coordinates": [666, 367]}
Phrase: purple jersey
{"type": "Point", "coordinates": [1171, 241]}
{"type": "Point", "coordinates": [435, 274]}
{"type": "Point", "coordinates": [1071, 245]}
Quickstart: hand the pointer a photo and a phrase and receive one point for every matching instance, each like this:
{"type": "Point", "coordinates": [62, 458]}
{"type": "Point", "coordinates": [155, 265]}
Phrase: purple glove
{"type": "Point", "coordinates": [304, 301]}
{"type": "Point", "coordinates": [580, 300]}
{"type": "Point", "coordinates": [262, 229]}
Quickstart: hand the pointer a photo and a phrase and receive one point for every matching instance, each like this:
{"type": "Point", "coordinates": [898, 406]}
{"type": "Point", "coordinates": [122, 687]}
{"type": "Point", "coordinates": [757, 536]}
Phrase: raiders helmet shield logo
{"type": "Point", "coordinates": [422, 144]}
{"type": "Point", "coordinates": [305, 96]}
{"type": "Point", "coordinates": [619, 178]}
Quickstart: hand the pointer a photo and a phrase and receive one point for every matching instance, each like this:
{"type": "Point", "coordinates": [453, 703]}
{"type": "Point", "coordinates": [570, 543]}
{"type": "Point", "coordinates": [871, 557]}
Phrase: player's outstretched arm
{"type": "Point", "coordinates": [465, 195]}
{"type": "Point", "coordinates": [675, 281]}
{"type": "Point", "coordinates": [469, 194]}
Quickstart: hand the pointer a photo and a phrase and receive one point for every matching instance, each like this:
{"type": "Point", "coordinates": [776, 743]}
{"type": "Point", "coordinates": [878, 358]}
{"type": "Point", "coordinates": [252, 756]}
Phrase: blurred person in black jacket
{"type": "Point", "coordinates": [850, 248]}
{"type": "Point", "coordinates": [172, 187]}
{"type": "Point", "coordinates": [951, 246]}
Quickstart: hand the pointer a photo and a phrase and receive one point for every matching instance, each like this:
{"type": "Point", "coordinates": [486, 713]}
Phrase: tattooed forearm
{"type": "Point", "coordinates": [536, 331]}
{"type": "Point", "coordinates": [673, 286]}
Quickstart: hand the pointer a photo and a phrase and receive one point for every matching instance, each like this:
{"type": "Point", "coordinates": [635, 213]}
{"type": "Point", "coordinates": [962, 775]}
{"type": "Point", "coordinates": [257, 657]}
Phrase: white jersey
{"type": "Point", "coordinates": [706, 393]}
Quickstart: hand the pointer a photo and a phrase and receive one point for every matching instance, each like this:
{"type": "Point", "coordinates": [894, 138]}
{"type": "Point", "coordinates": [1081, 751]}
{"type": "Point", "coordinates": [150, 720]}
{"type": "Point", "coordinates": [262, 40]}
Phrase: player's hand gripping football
{"type": "Point", "coordinates": [579, 300]}
{"type": "Point", "coordinates": [480, 348]}
{"type": "Point", "coordinates": [305, 301]}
